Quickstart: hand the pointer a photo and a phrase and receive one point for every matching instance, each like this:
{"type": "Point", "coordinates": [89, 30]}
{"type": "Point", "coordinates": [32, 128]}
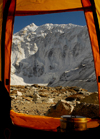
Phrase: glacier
{"type": "Point", "coordinates": [53, 55]}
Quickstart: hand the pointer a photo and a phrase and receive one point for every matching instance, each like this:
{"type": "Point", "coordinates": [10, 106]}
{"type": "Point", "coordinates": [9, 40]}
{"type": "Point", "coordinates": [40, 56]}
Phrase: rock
{"type": "Point", "coordinates": [61, 108]}
{"type": "Point", "coordinates": [36, 96]}
{"type": "Point", "coordinates": [35, 85]}
{"type": "Point", "coordinates": [27, 87]}
{"type": "Point", "coordinates": [93, 98]}
{"type": "Point", "coordinates": [58, 87]}
{"type": "Point", "coordinates": [68, 93]}
{"type": "Point", "coordinates": [28, 98]}
{"type": "Point", "coordinates": [13, 97]}
{"type": "Point", "coordinates": [54, 99]}
{"type": "Point", "coordinates": [81, 89]}
{"type": "Point", "coordinates": [43, 95]}
{"type": "Point", "coordinates": [38, 101]}
{"type": "Point", "coordinates": [47, 100]}
{"type": "Point", "coordinates": [29, 95]}
{"type": "Point", "coordinates": [14, 92]}
{"type": "Point", "coordinates": [33, 88]}
{"type": "Point", "coordinates": [76, 88]}
{"type": "Point", "coordinates": [19, 93]}
{"type": "Point", "coordinates": [50, 100]}
{"type": "Point", "coordinates": [86, 109]}
{"type": "Point", "coordinates": [18, 97]}
{"type": "Point", "coordinates": [73, 103]}
{"type": "Point", "coordinates": [71, 89]}
{"type": "Point", "coordinates": [26, 112]}
{"type": "Point", "coordinates": [86, 93]}
{"type": "Point", "coordinates": [76, 97]}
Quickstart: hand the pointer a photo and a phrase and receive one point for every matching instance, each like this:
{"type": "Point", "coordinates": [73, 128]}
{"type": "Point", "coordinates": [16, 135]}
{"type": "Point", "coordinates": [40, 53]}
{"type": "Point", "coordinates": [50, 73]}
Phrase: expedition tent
{"type": "Point", "coordinates": [11, 8]}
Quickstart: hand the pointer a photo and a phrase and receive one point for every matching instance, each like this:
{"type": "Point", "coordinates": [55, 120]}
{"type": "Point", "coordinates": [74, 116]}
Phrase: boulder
{"type": "Point", "coordinates": [76, 97]}
{"type": "Point", "coordinates": [93, 98]}
{"type": "Point", "coordinates": [19, 93]}
{"type": "Point", "coordinates": [50, 100]}
{"type": "Point", "coordinates": [36, 96]}
{"type": "Point", "coordinates": [61, 108]}
{"type": "Point", "coordinates": [86, 93]}
{"type": "Point", "coordinates": [86, 109]}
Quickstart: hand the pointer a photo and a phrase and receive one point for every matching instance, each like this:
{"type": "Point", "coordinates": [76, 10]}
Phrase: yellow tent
{"type": "Point", "coordinates": [11, 8]}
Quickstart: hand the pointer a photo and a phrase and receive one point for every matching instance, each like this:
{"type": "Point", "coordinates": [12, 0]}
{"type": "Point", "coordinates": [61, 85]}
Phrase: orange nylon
{"type": "Point", "coordinates": [46, 5]}
{"type": "Point", "coordinates": [97, 5]}
{"type": "Point", "coordinates": [8, 44]}
{"type": "Point", "coordinates": [94, 45]}
{"type": "Point", "coordinates": [35, 122]}
{"type": "Point", "coordinates": [43, 122]}
{"type": "Point", "coordinates": [1, 20]}
{"type": "Point", "coordinates": [34, 7]}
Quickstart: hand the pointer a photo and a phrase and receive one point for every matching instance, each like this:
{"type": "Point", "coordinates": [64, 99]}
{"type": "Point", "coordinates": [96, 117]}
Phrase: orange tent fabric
{"type": "Point", "coordinates": [47, 5]}
{"type": "Point", "coordinates": [43, 122]}
{"type": "Point", "coordinates": [10, 8]}
{"type": "Point", "coordinates": [1, 19]}
{"type": "Point", "coordinates": [97, 5]}
{"type": "Point", "coordinates": [35, 122]}
{"type": "Point", "coordinates": [33, 7]}
{"type": "Point", "coordinates": [94, 43]}
{"type": "Point", "coordinates": [8, 44]}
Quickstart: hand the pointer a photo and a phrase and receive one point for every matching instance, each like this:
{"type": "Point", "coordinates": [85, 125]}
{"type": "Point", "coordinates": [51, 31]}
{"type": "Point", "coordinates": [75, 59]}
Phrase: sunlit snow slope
{"type": "Point", "coordinates": [53, 54]}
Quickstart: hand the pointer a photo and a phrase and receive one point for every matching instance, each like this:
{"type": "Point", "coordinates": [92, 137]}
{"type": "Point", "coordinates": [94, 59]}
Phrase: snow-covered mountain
{"type": "Point", "coordinates": [53, 54]}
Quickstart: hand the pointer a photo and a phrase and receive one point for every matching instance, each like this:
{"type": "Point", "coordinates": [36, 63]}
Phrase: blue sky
{"type": "Point", "coordinates": [58, 18]}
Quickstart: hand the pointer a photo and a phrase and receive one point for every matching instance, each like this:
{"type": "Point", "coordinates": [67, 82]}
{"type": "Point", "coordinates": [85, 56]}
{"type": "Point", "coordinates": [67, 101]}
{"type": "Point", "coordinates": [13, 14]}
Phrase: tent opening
{"type": "Point", "coordinates": [52, 67]}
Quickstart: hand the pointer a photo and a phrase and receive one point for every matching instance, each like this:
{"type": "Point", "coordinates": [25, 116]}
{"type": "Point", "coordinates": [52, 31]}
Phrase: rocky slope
{"type": "Point", "coordinates": [54, 101]}
{"type": "Point", "coordinates": [54, 55]}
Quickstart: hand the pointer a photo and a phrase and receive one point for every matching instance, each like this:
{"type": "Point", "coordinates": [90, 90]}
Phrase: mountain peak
{"type": "Point", "coordinates": [52, 54]}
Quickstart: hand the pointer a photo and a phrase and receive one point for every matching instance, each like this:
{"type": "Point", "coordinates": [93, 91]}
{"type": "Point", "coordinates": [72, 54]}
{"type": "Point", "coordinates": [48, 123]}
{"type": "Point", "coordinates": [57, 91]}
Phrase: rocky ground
{"type": "Point", "coordinates": [54, 101]}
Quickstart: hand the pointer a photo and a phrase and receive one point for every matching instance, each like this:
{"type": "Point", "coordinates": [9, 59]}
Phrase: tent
{"type": "Point", "coordinates": [11, 8]}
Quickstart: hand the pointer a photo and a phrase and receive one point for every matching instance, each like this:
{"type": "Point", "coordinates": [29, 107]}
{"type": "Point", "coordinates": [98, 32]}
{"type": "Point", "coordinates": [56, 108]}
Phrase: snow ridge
{"type": "Point", "coordinates": [52, 54]}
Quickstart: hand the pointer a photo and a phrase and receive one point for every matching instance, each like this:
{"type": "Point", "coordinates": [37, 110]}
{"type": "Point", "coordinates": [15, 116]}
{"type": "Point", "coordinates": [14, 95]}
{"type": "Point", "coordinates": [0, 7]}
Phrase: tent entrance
{"type": "Point", "coordinates": [58, 56]}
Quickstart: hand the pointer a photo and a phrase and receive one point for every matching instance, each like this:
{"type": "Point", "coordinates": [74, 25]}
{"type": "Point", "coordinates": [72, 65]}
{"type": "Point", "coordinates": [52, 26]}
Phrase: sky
{"type": "Point", "coordinates": [56, 18]}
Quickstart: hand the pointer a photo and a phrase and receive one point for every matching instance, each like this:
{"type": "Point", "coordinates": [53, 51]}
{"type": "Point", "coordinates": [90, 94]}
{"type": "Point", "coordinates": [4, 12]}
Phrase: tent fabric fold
{"type": "Point", "coordinates": [11, 8]}
{"type": "Point", "coordinates": [35, 122]}
{"type": "Point", "coordinates": [43, 122]}
{"type": "Point", "coordinates": [1, 20]}
{"type": "Point", "coordinates": [46, 5]}
{"type": "Point", "coordinates": [8, 44]}
{"type": "Point", "coordinates": [94, 38]}
{"type": "Point", "coordinates": [34, 7]}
